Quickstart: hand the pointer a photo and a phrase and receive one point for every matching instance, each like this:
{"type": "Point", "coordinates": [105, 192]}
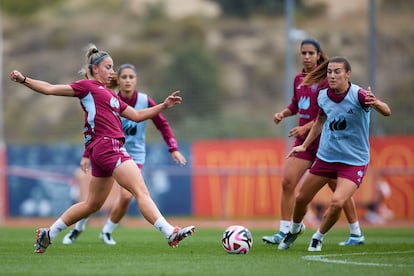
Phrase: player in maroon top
{"type": "Point", "coordinates": [104, 139]}
{"type": "Point", "coordinates": [126, 81]}
{"type": "Point", "coordinates": [304, 104]}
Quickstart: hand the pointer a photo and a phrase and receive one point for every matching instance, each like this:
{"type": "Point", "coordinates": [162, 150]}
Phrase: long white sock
{"type": "Point", "coordinates": [80, 225]}
{"type": "Point", "coordinates": [355, 229]}
{"type": "Point", "coordinates": [284, 226]}
{"type": "Point", "coordinates": [295, 227]}
{"type": "Point", "coordinates": [318, 235]}
{"type": "Point", "coordinates": [162, 225]}
{"type": "Point", "coordinates": [109, 226]}
{"type": "Point", "coordinates": [57, 227]}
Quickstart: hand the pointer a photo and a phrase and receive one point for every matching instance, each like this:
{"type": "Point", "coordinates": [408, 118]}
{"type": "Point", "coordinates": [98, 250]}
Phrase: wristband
{"type": "Point", "coordinates": [24, 80]}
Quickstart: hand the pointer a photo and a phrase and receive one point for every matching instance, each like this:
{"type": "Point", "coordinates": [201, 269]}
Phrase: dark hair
{"type": "Point", "coordinates": [342, 60]}
{"type": "Point", "coordinates": [312, 41]}
{"type": "Point", "coordinates": [114, 81]}
{"type": "Point", "coordinates": [126, 66]}
{"type": "Point", "coordinates": [319, 73]}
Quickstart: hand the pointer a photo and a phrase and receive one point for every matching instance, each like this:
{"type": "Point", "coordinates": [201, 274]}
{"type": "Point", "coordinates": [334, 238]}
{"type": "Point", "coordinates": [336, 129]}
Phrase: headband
{"type": "Point", "coordinates": [99, 59]}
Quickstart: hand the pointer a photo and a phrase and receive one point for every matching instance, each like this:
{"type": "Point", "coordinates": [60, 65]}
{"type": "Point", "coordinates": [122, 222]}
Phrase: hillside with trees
{"type": "Point", "coordinates": [228, 60]}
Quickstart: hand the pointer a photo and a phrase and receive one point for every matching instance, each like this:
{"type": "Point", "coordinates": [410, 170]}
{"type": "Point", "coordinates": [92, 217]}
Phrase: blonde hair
{"type": "Point", "coordinates": [93, 57]}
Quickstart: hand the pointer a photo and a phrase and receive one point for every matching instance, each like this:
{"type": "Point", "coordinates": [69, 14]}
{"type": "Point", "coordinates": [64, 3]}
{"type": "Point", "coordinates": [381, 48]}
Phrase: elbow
{"type": "Point", "coordinates": [387, 112]}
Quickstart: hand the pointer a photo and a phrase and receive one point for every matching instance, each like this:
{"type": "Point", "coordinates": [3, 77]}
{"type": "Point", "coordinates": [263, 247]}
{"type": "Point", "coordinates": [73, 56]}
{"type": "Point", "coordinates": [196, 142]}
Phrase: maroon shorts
{"type": "Point", "coordinates": [309, 154]}
{"type": "Point", "coordinates": [336, 169]}
{"type": "Point", "coordinates": [106, 155]}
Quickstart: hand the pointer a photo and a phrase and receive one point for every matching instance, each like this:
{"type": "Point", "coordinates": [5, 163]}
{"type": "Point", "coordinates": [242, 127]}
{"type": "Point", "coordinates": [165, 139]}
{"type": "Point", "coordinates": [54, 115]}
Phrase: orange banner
{"type": "Point", "coordinates": [237, 177]}
{"type": "Point", "coordinates": [242, 178]}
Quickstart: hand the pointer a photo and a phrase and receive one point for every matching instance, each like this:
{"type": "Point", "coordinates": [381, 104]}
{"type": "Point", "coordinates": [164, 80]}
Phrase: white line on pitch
{"type": "Point", "coordinates": [327, 259]}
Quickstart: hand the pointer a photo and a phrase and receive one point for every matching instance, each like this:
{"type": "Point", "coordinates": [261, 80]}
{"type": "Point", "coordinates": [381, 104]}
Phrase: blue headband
{"type": "Point", "coordinates": [99, 59]}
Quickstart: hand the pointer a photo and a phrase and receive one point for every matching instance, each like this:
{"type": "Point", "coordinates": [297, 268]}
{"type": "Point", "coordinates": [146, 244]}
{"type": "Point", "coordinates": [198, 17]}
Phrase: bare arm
{"type": "Point", "coordinates": [313, 133]}
{"type": "Point", "coordinates": [146, 113]}
{"type": "Point", "coordinates": [42, 86]}
{"type": "Point", "coordinates": [376, 103]}
{"type": "Point", "coordinates": [278, 117]}
{"type": "Point", "coordinates": [300, 130]}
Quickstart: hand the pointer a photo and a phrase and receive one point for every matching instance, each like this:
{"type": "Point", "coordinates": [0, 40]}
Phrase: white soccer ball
{"type": "Point", "coordinates": [237, 239]}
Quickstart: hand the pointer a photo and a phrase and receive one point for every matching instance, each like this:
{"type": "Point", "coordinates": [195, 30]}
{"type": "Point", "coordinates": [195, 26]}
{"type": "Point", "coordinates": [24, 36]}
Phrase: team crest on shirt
{"type": "Point", "coordinates": [314, 87]}
{"type": "Point", "coordinates": [304, 103]}
{"type": "Point", "coordinates": [114, 102]}
{"type": "Point", "coordinates": [338, 124]}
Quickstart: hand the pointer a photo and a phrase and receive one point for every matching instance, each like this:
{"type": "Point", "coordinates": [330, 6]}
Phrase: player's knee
{"type": "Point", "coordinates": [337, 204]}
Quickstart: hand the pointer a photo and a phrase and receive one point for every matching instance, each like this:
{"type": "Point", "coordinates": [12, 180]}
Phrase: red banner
{"type": "Point", "coordinates": [242, 178]}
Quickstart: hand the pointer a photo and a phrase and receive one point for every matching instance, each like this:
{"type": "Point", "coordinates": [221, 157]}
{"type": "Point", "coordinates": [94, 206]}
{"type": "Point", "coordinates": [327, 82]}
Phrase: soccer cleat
{"type": "Point", "coordinates": [71, 237]}
{"type": "Point", "coordinates": [107, 239]}
{"type": "Point", "coordinates": [288, 240]}
{"type": "Point", "coordinates": [275, 239]}
{"type": "Point", "coordinates": [353, 240]}
{"type": "Point", "coordinates": [315, 245]}
{"type": "Point", "coordinates": [179, 234]}
{"type": "Point", "coordinates": [42, 240]}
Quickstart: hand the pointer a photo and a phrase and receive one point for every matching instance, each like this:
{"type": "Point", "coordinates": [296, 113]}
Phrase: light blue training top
{"type": "Point", "coordinates": [345, 134]}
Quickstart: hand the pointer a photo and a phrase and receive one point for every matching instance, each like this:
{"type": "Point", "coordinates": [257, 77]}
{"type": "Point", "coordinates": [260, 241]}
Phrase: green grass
{"type": "Point", "coordinates": [145, 252]}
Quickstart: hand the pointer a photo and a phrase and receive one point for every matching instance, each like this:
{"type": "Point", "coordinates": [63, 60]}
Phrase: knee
{"type": "Point", "coordinates": [302, 200]}
{"type": "Point", "coordinates": [288, 185]}
{"type": "Point", "coordinates": [125, 199]}
{"type": "Point", "coordinates": [337, 204]}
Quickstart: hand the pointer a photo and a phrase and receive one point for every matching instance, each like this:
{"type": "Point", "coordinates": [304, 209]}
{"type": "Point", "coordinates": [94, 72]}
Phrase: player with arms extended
{"type": "Point", "coordinates": [104, 141]}
{"type": "Point", "coordinates": [126, 80]}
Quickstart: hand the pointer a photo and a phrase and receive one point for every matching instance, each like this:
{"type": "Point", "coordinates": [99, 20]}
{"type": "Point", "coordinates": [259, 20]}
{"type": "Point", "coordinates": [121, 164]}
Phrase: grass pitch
{"type": "Point", "coordinates": [145, 252]}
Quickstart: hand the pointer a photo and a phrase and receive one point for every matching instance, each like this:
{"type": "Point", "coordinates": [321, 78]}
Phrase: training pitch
{"type": "Point", "coordinates": [144, 251]}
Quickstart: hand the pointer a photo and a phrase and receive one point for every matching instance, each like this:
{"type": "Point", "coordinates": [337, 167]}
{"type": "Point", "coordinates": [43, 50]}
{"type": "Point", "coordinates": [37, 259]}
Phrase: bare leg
{"type": "Point", "coordinates": [348, 207]}
{"type": "Point", "coordinates": [311, 185]}
{"type": "Point", "coordinates": [118, 211]}
{"type": "Point", "coordinates": [344, 190]}
{"type": "Point", "coordinates": [129, 177]}
{"type": "Point", "coordinates": [293, 171]}
{"type": "Point", "coordinates": [99, 189]}
{"type": "Point", "coordinates": [121, 206]}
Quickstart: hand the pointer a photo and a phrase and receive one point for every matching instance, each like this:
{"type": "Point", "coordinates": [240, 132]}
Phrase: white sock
{"type": "Point", "coordinates": [109, 226]}
{"type": "Point", "coordinates": [80, 225]}
{"type": "Point", "coordinates": [355, 229]}
{"type": "Point", "coordinates": [295, 227]}
{"type": "Point", "coordinates": [318, 235]}
{"type": "Point", "coordinates": [162, 225]}
{"type": "Point", "coordinates": [57, 227]}
{"type": "Point", "coordinates": [284, 226]}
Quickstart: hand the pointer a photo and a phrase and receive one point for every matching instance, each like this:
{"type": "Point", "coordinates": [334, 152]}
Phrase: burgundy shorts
{"type": "Point", "coordinates": [309, 154]}
{"type": "Point", "coordinates": [336, 169]}
{"type": "Point", "coordinates": [106, 155]}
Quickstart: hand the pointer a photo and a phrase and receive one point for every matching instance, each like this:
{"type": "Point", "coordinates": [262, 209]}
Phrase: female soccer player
{"type": "Point", "coordinates": [135, 145]}
{"type": "Point", "coordinates": [104, 141]}
{"type": "Point", "coordinates": [344, 152]}
{"type": "Point", "coordinates": [304, 103]}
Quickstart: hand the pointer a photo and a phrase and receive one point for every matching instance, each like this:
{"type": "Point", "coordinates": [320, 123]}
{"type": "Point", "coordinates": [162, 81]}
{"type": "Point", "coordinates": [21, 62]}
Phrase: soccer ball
{"type": "Point", "coordinates": [237, 239]}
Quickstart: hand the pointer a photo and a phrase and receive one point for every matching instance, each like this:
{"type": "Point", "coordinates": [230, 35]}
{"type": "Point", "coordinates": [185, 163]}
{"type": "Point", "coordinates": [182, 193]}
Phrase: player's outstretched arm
{"type": "Point", "coordinates": [42, 86]}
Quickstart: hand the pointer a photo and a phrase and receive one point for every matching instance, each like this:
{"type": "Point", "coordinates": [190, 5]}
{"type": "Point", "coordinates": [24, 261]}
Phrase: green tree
{"type": "Point", "coordinates": [194, 72]}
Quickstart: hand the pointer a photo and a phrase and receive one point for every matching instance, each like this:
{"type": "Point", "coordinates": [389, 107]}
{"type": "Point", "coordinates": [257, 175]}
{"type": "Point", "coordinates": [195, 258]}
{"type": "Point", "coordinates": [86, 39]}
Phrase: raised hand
{"type": "Point", "coordinates": [172, 100]}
